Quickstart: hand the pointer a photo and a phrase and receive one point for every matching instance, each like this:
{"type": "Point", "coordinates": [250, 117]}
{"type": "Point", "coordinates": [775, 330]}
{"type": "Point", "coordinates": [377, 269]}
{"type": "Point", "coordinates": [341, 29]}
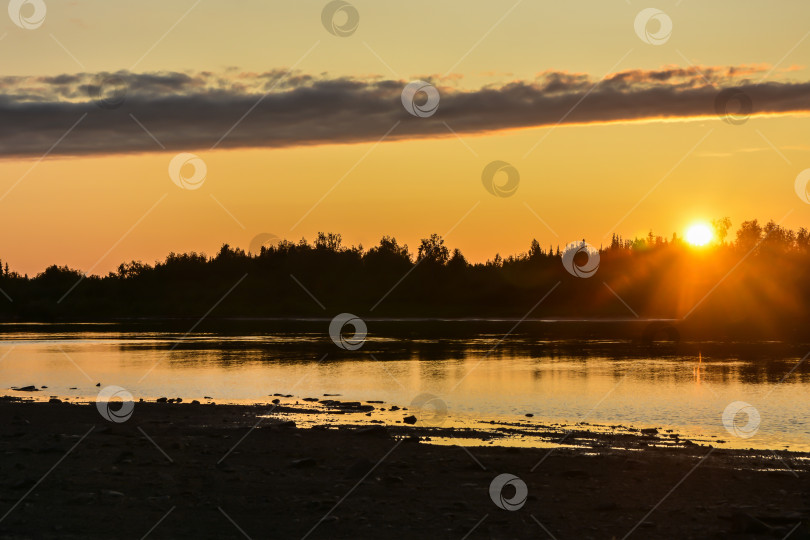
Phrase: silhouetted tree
{"type": "Point", "coordinates": [802, 241]}
{"type": "Point", "coordinates": [457, 261]}
{"type": "Point", "coordinates": [329, 242]}
{"type": "Point", "coordinates": [433, 250]}
{"type": "Point", "coordinates": [749, 235]}
{"type": "Point", "coordinates": [387, 257]}
{"type": "Point", "coordinates": [535, 251]}
{"type": "Point", "coordinates": [721, 227]}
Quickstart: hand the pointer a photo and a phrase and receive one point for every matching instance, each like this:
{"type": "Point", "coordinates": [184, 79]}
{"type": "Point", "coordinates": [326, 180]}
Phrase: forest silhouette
{"type": "Point", "coordinates": [749, 283]}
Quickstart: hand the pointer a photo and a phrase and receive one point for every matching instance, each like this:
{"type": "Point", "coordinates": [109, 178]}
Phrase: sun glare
{"type": "Point", "coordinates": [699, 234]}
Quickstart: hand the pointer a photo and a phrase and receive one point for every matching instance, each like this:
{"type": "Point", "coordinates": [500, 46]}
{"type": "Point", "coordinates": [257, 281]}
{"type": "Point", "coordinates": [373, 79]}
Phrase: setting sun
{"type": "Point", "coordinates": [699, 234]}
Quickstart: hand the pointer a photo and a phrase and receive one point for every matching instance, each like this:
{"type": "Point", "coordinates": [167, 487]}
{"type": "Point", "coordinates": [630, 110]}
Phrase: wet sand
{"type": "Point", "coordinates": [228, 471]}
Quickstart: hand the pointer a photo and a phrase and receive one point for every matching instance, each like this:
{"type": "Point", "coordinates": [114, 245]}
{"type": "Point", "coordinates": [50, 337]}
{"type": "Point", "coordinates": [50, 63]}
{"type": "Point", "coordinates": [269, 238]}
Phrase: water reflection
{"type": "Point", "coordinates": [606, 381]}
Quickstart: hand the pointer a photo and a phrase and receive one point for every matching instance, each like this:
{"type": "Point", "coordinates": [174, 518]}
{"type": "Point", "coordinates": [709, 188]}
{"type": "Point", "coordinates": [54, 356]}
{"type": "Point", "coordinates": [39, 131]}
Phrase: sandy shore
{"type": "Point", "coordinates": [225, 471]}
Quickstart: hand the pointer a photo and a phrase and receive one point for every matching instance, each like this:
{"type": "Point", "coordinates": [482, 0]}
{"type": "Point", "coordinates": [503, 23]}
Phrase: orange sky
{"type": "Point", "coordinates": [95, 211]}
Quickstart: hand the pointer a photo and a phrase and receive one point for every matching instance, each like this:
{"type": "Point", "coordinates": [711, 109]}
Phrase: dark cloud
{"type": "Point", "coordinates": [193, 111]}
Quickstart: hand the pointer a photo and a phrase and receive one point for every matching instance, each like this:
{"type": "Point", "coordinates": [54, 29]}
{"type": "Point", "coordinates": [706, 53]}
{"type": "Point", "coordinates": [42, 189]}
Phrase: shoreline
{"type": "Point", "coordinates": [437, 427]}
{"type": "Point", "coordinates": [194, 471]}
{"type": "Point", "coordinates": [661, 331]}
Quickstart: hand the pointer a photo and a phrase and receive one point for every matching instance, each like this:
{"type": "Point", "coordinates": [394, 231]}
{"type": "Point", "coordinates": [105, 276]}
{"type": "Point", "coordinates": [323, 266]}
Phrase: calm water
{"type": "Point", "coordinates": [599, 382]}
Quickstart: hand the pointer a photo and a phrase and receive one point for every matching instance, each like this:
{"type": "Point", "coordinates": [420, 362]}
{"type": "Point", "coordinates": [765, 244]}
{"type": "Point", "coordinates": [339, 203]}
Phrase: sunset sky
{"type": "Point", "coordinates": [640, 145]}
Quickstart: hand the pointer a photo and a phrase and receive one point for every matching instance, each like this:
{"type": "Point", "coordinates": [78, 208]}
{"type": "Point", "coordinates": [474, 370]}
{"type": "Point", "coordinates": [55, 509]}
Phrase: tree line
{"type": "Point", "coordinates": [752, 279]}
